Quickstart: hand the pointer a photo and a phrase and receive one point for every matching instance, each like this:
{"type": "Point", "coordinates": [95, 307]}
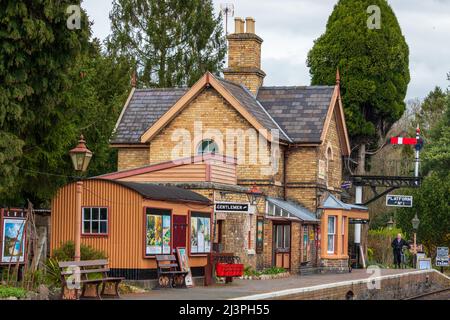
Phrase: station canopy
{"type": "Point", "coordinates": [288, 209]}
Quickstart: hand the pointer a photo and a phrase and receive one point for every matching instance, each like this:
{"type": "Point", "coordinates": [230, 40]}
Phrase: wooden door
{"type": "Point", "coordinates": [282, 245]}
{"type": "Point", "coordinates": [179, 231]}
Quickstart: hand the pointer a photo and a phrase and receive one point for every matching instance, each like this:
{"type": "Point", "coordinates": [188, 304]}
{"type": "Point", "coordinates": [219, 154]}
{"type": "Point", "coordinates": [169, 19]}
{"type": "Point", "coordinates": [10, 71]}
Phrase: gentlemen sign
{"type": "Point", "coordinates": [399, 201]}
{"type": "Point", "coordinates": [442, 257]}
{"type": "Point", "coordinates": [232, 207]}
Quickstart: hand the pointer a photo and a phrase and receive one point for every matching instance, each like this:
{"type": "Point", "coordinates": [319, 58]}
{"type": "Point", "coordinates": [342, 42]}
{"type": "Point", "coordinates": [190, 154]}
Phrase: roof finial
{"type": "Point", "coordinates": [338, 77]}
{"type": "Point", "coordinates": [133, 79]}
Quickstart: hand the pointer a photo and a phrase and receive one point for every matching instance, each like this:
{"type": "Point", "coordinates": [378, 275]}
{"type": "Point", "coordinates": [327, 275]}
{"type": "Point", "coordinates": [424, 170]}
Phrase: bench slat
{"type": "Point", "coordinates": [85, 271]}
{"type": "Point", "coordinates": [165, 257]}
{"type": "Point", "coordinates": [84, 263]}
{"type": "Point", "coordinates": [168, 265]}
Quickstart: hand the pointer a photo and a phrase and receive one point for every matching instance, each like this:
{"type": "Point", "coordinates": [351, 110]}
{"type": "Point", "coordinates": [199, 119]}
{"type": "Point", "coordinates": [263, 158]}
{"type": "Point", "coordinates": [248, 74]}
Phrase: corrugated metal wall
{"type": "Point", "coordinates": [124, 243]}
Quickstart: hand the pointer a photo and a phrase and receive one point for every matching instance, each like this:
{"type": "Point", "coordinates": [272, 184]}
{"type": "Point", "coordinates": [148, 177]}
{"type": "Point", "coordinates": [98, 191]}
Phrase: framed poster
{"type": "Point", "coordinates": [158, 233]}
{"type": "Point", "coordinates": [13, 240]}
{"type": "Point", "coordinates": [259, 235]}
{"type": "Point", "coordinates": [200, 233]}
{"type": "Point", "coordinates": [184, 265]}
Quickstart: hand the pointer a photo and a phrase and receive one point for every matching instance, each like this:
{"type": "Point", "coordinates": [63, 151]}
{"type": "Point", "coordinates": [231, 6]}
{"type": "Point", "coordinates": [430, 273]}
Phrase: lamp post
{"type": "Point", "coordinates": [415, 224]}
{"type": "Point", "coordinates": [81, 156]}
{"type": "Point", "coordinates": [390, 224]}
{"type": "Point", "coordinates": [253, 195]}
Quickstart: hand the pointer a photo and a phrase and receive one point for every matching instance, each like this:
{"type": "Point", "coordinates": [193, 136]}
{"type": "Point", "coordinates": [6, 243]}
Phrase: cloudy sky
{"type": "Point", "coordinates": [289, 28]}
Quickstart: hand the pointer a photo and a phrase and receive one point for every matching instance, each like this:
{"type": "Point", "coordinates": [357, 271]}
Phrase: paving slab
{"type": "Point", "coordinates": [241, 288]}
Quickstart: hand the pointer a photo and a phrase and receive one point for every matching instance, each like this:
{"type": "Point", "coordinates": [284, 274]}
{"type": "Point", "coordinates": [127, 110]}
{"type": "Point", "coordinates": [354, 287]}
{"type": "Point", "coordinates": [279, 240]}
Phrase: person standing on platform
{"type": "Point", "coordinates": [397, 246]}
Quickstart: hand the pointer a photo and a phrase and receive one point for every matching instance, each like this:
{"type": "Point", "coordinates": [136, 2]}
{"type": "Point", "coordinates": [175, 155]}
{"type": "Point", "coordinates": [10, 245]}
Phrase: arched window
{"type": "Point", "coordinates": [329, 156]}
{"type": "Point", "coordinates": [207, 146]}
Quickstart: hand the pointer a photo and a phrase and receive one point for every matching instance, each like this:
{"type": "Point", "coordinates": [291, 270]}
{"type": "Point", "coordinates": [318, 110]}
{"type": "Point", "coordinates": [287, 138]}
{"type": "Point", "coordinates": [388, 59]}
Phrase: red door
{"type": "Point", "coordinates": [179, 231]}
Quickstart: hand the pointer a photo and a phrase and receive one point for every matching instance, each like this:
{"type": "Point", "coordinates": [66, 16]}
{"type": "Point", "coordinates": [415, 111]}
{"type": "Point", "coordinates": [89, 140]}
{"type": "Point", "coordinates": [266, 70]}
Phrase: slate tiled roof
{"type": "Point", "coordinates": [299, 111]}
{"type": "Point", "coordinates": [252, 106]}
{"type": "Point", "coordinates": [161, 192]}
{"type": "Point", "coordinates": [331, 202]}
{"type": "Point", "coordinates": [145, 108]}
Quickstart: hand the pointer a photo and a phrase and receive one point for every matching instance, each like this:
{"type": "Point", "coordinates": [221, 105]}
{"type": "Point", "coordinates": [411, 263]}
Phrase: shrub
{"type": "Point", "coordinates": [6, 292]}
{"type": "Point", "coordinates": [67, 252]}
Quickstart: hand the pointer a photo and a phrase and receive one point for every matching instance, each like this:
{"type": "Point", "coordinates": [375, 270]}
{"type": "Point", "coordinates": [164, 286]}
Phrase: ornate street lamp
{"type": "Point", "coordinates": [390, 223]}
{"type": "Point", "coordinates": [81, 156]}
{"type": "Point", "coordinates": [254, 194]}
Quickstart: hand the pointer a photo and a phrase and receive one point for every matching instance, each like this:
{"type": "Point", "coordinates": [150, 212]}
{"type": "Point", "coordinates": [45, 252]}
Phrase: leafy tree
{"type": "Point", "coordinates": [432, 208]}
{"type": "Point", "coordinates": [374, 69]}
{"type": "Point", "coordinates": [173, 42]}
{"type": "Point", "coordinates": [55, 84]}
{"type": "Point", "coordinates": [436, 155]}
{"type": "Point", "coordinates": [431, 202]}
{"type": "Point", "coordinates": [37, 51]}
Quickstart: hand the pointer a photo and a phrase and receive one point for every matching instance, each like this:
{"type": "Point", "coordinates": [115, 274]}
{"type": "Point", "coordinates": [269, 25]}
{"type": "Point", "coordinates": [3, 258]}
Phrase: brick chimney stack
{"type": "Point", "coordinates": [244, 56]}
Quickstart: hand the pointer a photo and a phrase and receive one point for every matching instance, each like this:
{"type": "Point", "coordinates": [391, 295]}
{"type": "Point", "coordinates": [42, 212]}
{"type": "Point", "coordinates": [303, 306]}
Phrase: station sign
{"type": "Point", "coordinates": [399, 201]}
{"type": "Point", "coordinates": [442, 257]}
{"type": "Point", "coordinates": [232, 207]}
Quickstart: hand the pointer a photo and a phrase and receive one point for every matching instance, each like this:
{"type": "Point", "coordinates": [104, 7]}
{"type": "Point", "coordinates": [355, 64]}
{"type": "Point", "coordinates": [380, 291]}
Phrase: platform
{"type": "Point", "coordinates": [280, 288]}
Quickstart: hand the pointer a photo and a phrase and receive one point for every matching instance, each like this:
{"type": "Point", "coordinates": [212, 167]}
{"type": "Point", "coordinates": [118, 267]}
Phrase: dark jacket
{"type": "Point", "coordinates": [398, 245]}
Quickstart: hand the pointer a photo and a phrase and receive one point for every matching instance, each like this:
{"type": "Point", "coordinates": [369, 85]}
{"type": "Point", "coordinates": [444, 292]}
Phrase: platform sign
{"type": "Point", "coordinates": [399, 201]}
{"type": "Point", "coordinates": [442, 257]}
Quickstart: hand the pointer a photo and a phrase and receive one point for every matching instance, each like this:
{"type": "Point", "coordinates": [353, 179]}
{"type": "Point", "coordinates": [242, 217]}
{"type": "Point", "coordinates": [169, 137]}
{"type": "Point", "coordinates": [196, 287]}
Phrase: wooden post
{"type": "Point", "coordinates": [78, 221]}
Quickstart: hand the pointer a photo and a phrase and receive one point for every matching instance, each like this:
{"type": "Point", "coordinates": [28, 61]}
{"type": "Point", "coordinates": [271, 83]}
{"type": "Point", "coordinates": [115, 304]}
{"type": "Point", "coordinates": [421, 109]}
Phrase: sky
{"type": "Point", "coordinates": [289, 28]}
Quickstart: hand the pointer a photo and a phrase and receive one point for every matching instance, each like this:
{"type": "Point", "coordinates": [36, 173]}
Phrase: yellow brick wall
{"type": "Point", "coordinates": [129, 158]}
{"type": "Point", "coordinates": [334, 174]}
{"type": "Point", "coordinates": [213, 112]}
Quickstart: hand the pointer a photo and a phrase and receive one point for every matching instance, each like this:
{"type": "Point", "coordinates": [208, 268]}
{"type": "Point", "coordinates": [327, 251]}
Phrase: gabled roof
{"type": "Point", "coordinates": [301, 114]}
{"type": "Point", "coordinates": [331, 202]}
{"type": "Point", "coordinates": [294, 209]}
{"type": "Point", "coordinates": [238, 97]}
{"type": "Point", "coordinates": [300, 111]}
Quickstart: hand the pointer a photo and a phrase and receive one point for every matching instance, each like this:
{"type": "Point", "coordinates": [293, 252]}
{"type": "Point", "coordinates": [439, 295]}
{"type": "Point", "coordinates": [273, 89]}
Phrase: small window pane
{"type": "Point", "coordinates": [279, 235]}
{"type": "Point", "coordinates": [287, 236]}
{"type": "Point", "coordinates": [331, 225]}
{"type": "Point", "coordinates": [103, 214]}
{"type": "Point", "coordinates": [103, 227]}
{"type": "Point", "coordinates": [95, 227]}
{"type": "Point", "coordinates": [87, 227]}
{"type": "Point", "coordinates": [330, 243]}
{"type": "Point", "coordinates": [277, 211]}
{"type": "Point", "coordinates": [95, 213]}
{"type": "Point", "coordinates": [87, 213]}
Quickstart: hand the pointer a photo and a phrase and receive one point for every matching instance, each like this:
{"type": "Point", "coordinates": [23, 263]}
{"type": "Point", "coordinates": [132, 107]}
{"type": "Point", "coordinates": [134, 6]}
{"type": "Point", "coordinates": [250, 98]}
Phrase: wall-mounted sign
{"type": "Point", "coordinates": [13, 240]}
{"type": "Point", "coordinates": [399, 201]}
{"type": "Point", "coordinates": [442, 257]}
{"type": "Point", "coordinates": [232, 207]}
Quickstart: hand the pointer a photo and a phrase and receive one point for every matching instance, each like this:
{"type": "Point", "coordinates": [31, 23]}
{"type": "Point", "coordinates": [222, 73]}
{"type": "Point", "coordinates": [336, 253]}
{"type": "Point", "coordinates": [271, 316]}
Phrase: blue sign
{"type": "Point", "coordinates": [399, 201]}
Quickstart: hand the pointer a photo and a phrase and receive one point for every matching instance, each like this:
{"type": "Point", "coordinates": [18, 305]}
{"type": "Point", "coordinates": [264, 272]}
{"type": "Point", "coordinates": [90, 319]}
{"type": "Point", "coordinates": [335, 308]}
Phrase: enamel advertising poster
{"type": "Point", "coordinates": [13, 242]}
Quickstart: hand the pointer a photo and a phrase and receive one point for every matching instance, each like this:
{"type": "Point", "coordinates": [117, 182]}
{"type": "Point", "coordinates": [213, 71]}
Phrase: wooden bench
{"type": "Point", "coordinates": [99, 268]}
{"type": "Point", "coordinates": [169, 273]}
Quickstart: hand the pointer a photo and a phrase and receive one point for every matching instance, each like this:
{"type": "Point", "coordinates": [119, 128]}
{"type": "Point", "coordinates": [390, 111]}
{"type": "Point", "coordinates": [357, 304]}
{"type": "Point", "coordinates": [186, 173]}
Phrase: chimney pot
{"type": "Point", "coordinates": [239, 25]}
{"type": "Point", "coordinates": [250, 25]}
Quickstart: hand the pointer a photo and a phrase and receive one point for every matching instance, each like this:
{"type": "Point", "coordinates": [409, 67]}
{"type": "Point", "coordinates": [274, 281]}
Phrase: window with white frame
{"type": "Point", "coordinates": [95, 221]}
{"type": "Point", "coordinates": [274, 210]}
{"type": "Point", "coordinates": [331, 234]}
{"type": "Point", "coordinates": [207, 146]}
